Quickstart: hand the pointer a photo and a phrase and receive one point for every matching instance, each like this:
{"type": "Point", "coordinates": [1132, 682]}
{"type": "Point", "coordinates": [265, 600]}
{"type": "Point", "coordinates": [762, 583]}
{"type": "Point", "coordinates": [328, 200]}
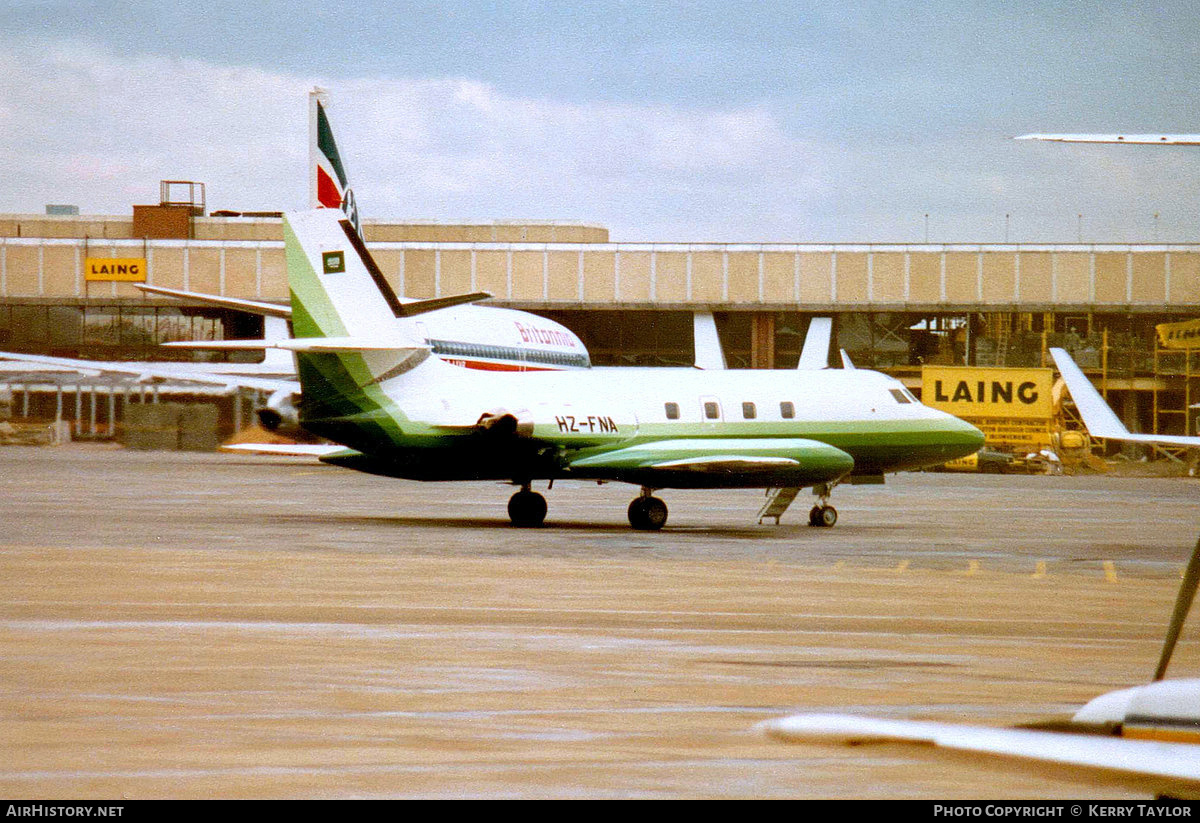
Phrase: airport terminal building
{"type": "Point", "coordinates": [896, 307]}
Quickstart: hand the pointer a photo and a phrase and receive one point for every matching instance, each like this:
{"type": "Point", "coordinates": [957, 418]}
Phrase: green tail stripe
{"type": "Point", "coordinates": [312, 313]}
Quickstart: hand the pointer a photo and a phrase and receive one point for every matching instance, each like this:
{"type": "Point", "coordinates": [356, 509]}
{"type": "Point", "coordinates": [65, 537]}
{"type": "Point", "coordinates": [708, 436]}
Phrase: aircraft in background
{"type": "Point", "coordinates": [1098, 417]}
{"type": "Point", "coordinates": [475, 337]}
{"type": "Point", "coordinates": [372, 387]}
{"type": "Point", "coordinates": [1145, 738]}
{"type": "Point", "coordinates": [1132, 139]}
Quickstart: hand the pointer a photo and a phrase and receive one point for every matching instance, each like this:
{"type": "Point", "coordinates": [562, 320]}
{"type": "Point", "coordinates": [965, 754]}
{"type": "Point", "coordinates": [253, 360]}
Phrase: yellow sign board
{"type": "Point", "coordinates": [124, 269]}
{"type": "Point", "coordinates": [970, 391]}
{"type": "Point", "coordinates": [1185, 335]}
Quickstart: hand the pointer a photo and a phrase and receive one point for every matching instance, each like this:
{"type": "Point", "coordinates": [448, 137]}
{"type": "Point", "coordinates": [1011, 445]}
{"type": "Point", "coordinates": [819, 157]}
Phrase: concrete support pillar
{"type": "Point", "coordinates": [762, 341]}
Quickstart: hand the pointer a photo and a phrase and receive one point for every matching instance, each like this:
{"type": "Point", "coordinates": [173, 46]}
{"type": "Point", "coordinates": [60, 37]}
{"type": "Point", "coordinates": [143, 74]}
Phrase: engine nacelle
{"type": "Point", "coordinates": [280, 415]}
{"type": "Point", "coordinates": [505, 424]}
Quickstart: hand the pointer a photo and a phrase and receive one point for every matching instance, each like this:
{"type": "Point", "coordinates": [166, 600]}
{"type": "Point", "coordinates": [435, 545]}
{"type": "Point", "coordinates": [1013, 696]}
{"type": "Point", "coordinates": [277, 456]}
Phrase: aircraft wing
{"type": "Point", "coordinates": [1135, 139]}
{"type": "Point", "coordinates": [1169, 769]}
{"type": "Point", "coordinates": [1097, 416]}
{"type": "Point", "coordinates": [719, 461]}
{"type": "Point", "coordinates": [726, 463]}
{"type": "Point", "coordinates": [158, 372]}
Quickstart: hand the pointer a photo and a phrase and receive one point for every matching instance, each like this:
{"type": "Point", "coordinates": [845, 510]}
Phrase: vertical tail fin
{"type": "Point", "coordinates": [815, 354]}
{"type": "Point", "coordinates": [328, 184]}
{"type": "Point", "coordinates": [336, 289]}
{"type": "Point", "coordinates": [709, 354]}
{"type": "Point", "coordinates": [352, 342]}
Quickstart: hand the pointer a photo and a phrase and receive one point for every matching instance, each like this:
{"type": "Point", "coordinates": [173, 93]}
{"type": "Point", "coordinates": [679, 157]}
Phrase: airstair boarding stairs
{"type": "Point", "coordinates": [777, 503]}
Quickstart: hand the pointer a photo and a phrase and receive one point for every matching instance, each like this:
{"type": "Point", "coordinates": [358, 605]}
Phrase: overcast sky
{"type": "Point", "coordinates": [688, 121]}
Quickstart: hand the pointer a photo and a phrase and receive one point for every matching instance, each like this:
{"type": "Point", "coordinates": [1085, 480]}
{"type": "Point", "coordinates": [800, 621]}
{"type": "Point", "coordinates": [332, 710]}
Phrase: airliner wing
{"type": "Point", "coordinates": [1097, 416]}
{"type": "Point", "coordinates": [1136, 139]}
{"type": "Point", "coordinates": [1170, 769]}
{"type": "Point", "coordinates": [158, 372]}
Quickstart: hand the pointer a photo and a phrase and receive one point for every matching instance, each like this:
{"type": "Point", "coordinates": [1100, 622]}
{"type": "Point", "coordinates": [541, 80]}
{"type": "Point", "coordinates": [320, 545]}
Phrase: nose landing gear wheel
{"type": "Point", "coordinates": [822, 516]}
{"type": "Point", "coordinates": [647, 513]}
{"type": "Point", "coordinates": [527, 509]}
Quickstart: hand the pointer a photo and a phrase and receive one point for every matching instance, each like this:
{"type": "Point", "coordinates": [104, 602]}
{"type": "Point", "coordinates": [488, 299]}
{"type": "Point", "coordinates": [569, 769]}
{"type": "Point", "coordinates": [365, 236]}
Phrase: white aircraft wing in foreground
{"type": "Point", "coordinates": [1146, 738]}
{"type": "Point", "coordinates": [1155, 764]}
{"type": "Point", "coordinates": [231, 376]}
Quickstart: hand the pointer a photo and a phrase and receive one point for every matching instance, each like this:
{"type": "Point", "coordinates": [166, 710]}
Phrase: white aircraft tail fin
{"type": "Point", "coordinates": [337, 289]}
{"type": "Point", "coordinates": [815, 354]}
{"type": "Point", "coordinates": [709, 354]}
{"type": "Point", "coordinates": [328, 186]}
{"type": "Point", "coordinates": [1097, 416]}
{"type": "Point", "coordinates": [347, 341]}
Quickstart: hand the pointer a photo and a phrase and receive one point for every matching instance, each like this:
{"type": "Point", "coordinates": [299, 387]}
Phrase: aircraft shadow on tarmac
{"type": "Point", "coordinates": [492, 524]}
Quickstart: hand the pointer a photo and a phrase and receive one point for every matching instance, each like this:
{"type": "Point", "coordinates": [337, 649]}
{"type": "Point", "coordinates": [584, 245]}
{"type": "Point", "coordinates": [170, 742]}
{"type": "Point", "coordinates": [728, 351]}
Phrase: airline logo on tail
{"type": "Point", "coordinates": [334, 262]}
{"type": "Point", "coordinates": [330, 185]}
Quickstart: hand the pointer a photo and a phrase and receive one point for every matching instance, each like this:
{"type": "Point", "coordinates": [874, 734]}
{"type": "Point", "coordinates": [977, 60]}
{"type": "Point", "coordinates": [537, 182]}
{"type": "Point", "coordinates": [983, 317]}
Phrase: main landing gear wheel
{"type": "Point", "coordinates": [527, 509]}
{"type": "Point", "coordinates": [823, 516]}
{"type": "Point", "coordinates": [647, 513]}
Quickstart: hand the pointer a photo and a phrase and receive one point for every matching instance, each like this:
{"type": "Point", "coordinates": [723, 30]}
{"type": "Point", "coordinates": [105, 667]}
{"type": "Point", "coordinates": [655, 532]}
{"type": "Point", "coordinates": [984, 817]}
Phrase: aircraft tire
{"type": "Point", "coordinates": [527, 509]}
{"type": "Point", "coordinates": [822, 516]}
{"type": "Point", "coordinates": [647, 513]}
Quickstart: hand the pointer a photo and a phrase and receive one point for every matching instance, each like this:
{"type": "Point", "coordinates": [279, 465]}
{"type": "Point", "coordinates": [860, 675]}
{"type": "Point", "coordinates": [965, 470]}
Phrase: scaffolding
{"type": "Point", "coordinates": [1175, 364]}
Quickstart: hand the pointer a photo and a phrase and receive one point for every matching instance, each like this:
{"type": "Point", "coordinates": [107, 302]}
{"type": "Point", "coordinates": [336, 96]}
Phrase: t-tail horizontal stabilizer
{"type": "Point", "coordinates": [248, 306]}
{"type": "Point", "coordinates": [411, 308]}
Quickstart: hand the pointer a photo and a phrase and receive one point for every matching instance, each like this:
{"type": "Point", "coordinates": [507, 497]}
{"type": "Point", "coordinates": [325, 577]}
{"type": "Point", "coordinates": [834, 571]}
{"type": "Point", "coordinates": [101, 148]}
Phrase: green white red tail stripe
{"type": "Point", "coordinates": [329, 186]}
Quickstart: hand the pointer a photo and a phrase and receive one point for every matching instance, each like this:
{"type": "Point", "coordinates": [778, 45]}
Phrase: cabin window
{"type": "Point", "coordinates": [711, 411]}
{"type": "Point", "coordinates": [787, 410]}
{"type": "Point", "coordinates": [749, 412]}
{"type": "Point", "coordinates": [901, 396]}
{"type": "Point", "coordinates": [672, 411]}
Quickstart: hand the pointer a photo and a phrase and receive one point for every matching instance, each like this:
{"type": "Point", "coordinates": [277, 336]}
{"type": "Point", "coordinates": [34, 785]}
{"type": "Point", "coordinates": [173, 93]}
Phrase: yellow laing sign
{"type": "Point", "coordinates": [967, 391]}
{"type": "Point", "coordinates": [1185, 335]}
{"type": "Point", "coordinates": [124, 269]}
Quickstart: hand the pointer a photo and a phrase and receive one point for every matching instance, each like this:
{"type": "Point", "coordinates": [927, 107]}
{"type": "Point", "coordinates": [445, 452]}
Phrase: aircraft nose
{"type": "Point", "coordinates": [971, 437]}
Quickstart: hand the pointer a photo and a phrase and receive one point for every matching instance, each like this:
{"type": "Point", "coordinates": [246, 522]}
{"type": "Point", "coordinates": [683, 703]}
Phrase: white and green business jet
{"type": "Point", "coordinates": [402, 413]}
